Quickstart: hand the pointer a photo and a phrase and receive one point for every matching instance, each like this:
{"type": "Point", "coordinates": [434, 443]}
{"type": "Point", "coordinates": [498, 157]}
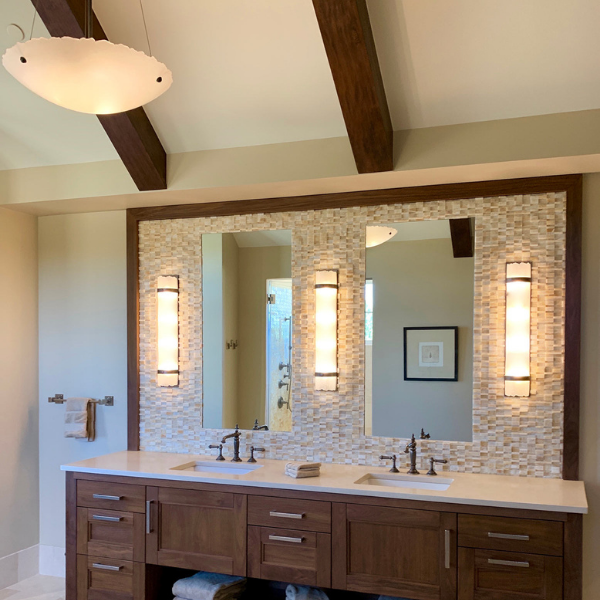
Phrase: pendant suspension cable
{"type": "Point", "coordinates": [33, 22]}
{"type": "Point", "coordinates": [145, 27]}
{"type": "Point", "coordinates": [89, 20]}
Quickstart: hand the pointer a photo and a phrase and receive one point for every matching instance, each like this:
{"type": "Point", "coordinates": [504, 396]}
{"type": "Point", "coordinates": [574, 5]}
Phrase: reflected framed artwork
{"type": "Point", "coordinates": [431, 353]}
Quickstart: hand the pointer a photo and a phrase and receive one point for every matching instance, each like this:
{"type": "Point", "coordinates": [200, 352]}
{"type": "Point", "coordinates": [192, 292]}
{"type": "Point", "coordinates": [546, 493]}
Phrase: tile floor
{"type": "Point", "coordinates": [39, 587]}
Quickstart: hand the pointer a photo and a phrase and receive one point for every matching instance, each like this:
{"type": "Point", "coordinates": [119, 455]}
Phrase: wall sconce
{"type": "Point", "coordinates": [168, 331]}
{"type": "Point", "coordinates": [517, 375]}
{"type": "Point", "coordinates": [326, 370]}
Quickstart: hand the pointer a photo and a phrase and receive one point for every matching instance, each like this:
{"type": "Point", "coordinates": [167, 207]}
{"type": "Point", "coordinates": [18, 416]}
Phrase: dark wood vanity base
{"type": "Point", "coordinates": [129, 538]}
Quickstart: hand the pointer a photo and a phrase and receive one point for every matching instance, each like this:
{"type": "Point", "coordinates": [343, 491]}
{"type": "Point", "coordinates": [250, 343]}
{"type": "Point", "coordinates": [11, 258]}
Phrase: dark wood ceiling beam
{"type": "Point", "coordinates": [131, 133]}
{"type": "Point", "coordinates": [348, 38]}
{"type": "Point", "coordinates": [462, 238]}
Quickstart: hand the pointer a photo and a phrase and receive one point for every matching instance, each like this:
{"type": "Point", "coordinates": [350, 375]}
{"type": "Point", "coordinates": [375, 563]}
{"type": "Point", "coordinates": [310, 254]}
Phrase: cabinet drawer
{"type": "Point", "coordinates": [111, 496]}
{"type": "Point", "coordinates": [299, 557]}
{"type": "Point", "coordinates": [302, 515]}
{"type": "Point", "coordinates": [493, 575]}
{"type": "Point", "coordinates": [111, 534]}
{"type": "Point", "coordinates": [102, 579]}
{"type": "Point", "coordinates": [513, 535]}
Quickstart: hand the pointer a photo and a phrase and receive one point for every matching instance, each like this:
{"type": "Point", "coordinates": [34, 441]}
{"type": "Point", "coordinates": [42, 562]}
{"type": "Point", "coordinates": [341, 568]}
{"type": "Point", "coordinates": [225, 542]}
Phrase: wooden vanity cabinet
{"type": "Point", "coordinates": [127, 538]}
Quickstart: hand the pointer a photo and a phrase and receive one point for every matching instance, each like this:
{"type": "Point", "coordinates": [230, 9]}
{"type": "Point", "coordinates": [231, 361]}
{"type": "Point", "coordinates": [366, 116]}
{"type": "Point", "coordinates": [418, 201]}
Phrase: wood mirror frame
{"type": "Point", "coordinates": [570, 184]}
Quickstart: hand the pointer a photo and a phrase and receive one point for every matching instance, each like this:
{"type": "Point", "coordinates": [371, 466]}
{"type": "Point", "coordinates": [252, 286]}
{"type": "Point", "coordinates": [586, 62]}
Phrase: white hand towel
{"type": "Point", "coordinates": [78, 417]}
{"type": "Point", "coordinates": [301, 592]}
{"type": "Point", "coordinates": [208, 586]}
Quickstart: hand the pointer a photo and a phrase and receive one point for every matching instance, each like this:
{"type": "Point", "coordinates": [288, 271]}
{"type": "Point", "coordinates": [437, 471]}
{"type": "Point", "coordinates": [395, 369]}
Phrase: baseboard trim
{"type": "Point", "coordinates": [52, 561]}
{"type": "Point", "coordinates": [19, 566]}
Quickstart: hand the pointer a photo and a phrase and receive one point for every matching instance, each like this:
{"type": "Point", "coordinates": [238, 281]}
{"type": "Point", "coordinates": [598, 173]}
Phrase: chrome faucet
{"type": "Point", "coordinates": [411, 450]}
{"type": "Point", "coordinates": [236, 444]}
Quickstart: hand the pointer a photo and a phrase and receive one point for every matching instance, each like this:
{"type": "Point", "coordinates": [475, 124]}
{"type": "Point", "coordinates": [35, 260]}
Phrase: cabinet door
{"type": "Point", "coordinates": [394, 552]}
{"type": "Point", "coordinates": [204, 531]}
{"type": "Point", "coordinates": [494, 575]}
{"type": "Point", "coordinates": [301, 557]}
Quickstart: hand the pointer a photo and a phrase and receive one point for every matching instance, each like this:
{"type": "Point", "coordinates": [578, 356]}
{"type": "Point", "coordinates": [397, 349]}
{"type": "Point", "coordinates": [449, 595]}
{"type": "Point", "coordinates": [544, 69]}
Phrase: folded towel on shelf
{"type": "Point", "coordinates": [80, 419]}
{"type": "Point", "coordinates": [209, 586]}
{"type": "Point", "coordinates": [300, 470]}
{"type": "Point", "coordinates": [301, 592]}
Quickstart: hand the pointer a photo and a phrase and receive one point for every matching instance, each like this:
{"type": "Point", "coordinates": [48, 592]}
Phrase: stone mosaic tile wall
{"type": "Point", "coordinates": [510, 436]}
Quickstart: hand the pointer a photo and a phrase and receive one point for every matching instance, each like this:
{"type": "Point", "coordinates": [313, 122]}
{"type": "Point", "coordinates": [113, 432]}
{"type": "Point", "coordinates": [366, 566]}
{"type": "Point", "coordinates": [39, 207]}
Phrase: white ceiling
{"type": "Point", "coordinates": [251, 72]}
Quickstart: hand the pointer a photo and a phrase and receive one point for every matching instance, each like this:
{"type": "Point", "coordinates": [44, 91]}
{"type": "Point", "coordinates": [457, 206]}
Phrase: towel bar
{"type": "Point", "coordinates": [106, 401]}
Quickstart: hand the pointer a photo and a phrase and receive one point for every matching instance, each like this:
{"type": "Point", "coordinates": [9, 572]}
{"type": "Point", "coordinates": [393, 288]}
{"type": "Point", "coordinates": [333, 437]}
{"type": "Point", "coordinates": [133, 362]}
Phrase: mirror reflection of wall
{"type": "Point", "coordinates": [246, 329]}
{"type": "Point", "coordinates": [413, 280]}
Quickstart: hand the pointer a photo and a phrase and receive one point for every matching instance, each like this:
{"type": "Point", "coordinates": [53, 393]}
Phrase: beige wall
{"type": "Point", "coordinates": [590, 371]}
{"type": "Point", "coordinates": [82, 345]}
{"type": "Point", "coordinates": [19, 506]}
{"type": "Point", "coordinates": [256, 265]}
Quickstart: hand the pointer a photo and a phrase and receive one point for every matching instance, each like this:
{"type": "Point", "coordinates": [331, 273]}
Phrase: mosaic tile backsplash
{"type": "Point", "coordinates": [517, 436]}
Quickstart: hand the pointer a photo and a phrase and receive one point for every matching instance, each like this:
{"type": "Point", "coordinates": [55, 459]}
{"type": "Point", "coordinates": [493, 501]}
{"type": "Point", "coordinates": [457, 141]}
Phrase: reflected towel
{"type": "Point", "coordinates": [301, 592]}
{"type": "Point", "coordinates": [209, 586]}
{"type": "Point", "coordinates": [80, 417]}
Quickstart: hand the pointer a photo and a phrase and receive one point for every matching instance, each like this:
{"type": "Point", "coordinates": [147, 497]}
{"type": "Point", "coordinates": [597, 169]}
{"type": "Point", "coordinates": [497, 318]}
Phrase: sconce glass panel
{"type": "Point", "coordinates": [326, 370]}
{"type": "Point", "coordinates": [518, 330]}
{"type": "Point", "coordinates": [168, 331]}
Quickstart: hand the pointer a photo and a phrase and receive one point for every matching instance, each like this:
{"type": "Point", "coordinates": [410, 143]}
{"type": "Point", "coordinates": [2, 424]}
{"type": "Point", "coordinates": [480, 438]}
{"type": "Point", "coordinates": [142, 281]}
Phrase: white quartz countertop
{"type": "Point", "coordinates": [479, 490]}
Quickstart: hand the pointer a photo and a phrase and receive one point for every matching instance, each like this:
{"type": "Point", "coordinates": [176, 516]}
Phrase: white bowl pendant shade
{"type": "Point", "coordinates": [87, 75]}
{"type": "Point", "coordinates": [378, 234]}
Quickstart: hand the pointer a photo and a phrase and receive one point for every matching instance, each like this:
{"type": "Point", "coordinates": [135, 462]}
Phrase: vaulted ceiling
{"type": "Point", "coordinates": [253, 72]}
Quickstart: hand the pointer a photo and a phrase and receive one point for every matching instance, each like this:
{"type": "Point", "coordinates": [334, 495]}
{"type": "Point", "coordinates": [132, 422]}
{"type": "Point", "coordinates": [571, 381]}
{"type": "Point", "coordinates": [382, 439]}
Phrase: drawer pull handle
{"type": "Point", "coordinates": [283, 515]}
{"type": "Point", "coordinates": [109, 519]}
{"type": "Point", "coordinates": [447, 549]}
{"type": "Point", "coordinates": [508, 536]}
{"type": "Point", "coordinates": [509, 563]}
{"type": "Point", "coordinates": [149, 516]}
{"type": "Point", "coordinates": [105, 497]}
{"type": "Point", "coordinates": [282, 538]}
{"type": "Point", "coordinates": [106, 567]}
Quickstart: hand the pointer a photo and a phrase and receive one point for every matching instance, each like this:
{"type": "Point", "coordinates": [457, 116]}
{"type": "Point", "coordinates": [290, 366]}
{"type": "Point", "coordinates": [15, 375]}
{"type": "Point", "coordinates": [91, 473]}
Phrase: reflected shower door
{"type": "Point", "coordinates": [279, 355]}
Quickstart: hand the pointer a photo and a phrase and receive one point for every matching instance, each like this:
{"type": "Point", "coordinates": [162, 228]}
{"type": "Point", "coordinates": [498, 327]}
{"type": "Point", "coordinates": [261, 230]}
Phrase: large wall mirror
{"type": "Point", "coordinates": [418, 333]}
{"type": "Point", "coordinates": [247, 330]}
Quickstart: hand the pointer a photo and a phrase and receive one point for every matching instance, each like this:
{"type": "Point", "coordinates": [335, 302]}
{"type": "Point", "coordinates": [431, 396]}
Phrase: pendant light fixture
{"type": "Point", "coordinates": [87, 75]}
{"type": "Point", "coordinates": [379, 234]}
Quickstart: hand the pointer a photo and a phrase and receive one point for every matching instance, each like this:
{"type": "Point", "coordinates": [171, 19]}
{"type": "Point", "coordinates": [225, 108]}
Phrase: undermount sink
{"type": "Point", "coordinates": [215, 467]}
{"type": "Point", "coordinates": [439, 484]}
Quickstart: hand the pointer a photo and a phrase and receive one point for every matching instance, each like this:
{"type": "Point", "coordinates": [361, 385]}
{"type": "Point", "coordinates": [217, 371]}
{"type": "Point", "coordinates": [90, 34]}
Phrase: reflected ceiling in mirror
{"type": "Point", "coordinates": [419, 330]}
{"type": "Point", "coordinates": [247, 330]}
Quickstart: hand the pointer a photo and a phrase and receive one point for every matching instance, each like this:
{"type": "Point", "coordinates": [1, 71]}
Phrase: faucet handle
{"type": "Point", "coordinates": [252, 451]}
{"type": "Point", "coordinates": [220, 448]}
{"type": "Point", "coordinates": [393, 458]}
{"type": "Point", "coordinates": [432, 461]}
